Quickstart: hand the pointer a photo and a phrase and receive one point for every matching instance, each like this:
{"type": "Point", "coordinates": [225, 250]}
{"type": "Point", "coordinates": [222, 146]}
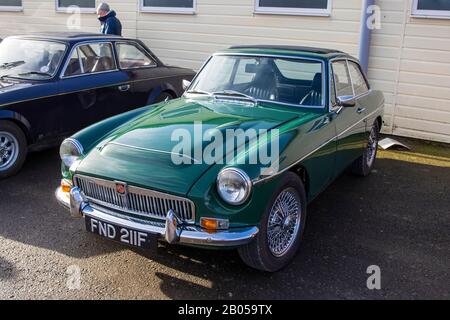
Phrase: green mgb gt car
{"type": "Point", "coordinates": [258, 134]}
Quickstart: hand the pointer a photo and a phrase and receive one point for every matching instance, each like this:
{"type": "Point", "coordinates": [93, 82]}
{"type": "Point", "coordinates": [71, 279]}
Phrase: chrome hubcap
{"type": "Point", "coordinates": [372, 147]}
{"type": "Point", "coordinates": [284, 223]}
{"type": "Point", "coordinates": [9, 150]}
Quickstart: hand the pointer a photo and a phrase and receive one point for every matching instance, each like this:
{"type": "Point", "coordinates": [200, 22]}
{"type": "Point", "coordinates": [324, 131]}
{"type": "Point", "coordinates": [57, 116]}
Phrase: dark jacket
{"type": "Point", "coordinates": [110, 24]}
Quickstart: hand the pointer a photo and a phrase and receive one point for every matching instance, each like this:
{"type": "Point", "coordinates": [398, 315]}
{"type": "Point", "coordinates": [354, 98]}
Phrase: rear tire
{"type": "Point", "coordinates": [13, 149]}
{"type": "Point", "coordinates": [363, 166]}
{"type": "Point", "coordinates": [281, 228]}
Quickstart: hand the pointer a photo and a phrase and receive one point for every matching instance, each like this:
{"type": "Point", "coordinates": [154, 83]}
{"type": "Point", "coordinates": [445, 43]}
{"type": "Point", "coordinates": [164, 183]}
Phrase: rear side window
{"type": "Point", "coordinates": [132, 56]}
{"type": "Point", "coordinates": [90, 58]}
{"type": "Point", "coordinates": [342, 79]}
{"type": "Point", "coordinates": [359, 82]}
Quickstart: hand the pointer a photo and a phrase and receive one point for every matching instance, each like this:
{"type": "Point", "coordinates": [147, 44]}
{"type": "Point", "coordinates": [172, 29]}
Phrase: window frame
{"type": "Point", "coordinates": [58, 8]}
{"type": "Point", "coordinates": [173, 10]}
{"type": "Point", "coordinates": [76, 47]}
{"type": "Point", "coordinates": [333, 108]}
{"type": "Point", "coordinates": [430, 14]}
{"type": "Point", "coordinates": [295, 11]}
{"type": "Point", "coordinates": [137, 45]}
{"type": "Point", "coordinates": [12, 8]}
{"type": "Point", "coordinates": [275, 56]}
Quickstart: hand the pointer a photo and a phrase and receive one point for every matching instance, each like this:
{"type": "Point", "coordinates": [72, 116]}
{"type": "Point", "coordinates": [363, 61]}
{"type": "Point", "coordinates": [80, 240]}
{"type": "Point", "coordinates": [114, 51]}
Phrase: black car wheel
{"type": "Point", "coordinates": [281, 228]}
{"type": "Point", "coordinates": [364, 165]}
{"type": "Point", "coordinates": [13, 149]}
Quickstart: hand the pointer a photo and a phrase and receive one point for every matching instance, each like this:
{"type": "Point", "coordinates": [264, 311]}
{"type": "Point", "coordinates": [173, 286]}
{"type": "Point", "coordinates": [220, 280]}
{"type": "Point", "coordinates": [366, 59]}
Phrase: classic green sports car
{"type": "Point", "coordinates": [258, 134]}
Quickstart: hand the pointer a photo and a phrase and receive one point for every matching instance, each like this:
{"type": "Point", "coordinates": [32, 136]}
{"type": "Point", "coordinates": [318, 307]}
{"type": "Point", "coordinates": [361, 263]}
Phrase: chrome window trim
{"type": "Point", "coordinates": [330, 66]}
{"type": "Point", "coordinates": [75, 47]}
{"type": "Point", "coordinates": [322, 62]}
{"type": "Point", "coordinates": [139, 46]}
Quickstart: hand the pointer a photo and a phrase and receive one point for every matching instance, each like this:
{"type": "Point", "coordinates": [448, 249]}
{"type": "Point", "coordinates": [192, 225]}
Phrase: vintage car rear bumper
{"type": "Point", "coordinates": [172, 231]}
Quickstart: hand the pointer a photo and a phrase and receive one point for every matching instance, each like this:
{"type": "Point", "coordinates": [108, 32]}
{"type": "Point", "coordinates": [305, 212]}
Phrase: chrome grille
{"type": "Point", "coordinates": [137, 201]}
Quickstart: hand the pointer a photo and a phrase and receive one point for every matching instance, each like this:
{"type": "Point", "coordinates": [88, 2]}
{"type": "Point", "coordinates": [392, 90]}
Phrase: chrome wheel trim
{"type": "Point", "coordinates": [284, 222]}
{"type": "Point", "coordinates": [372, 146]}
{"type": "Point", "coordinates": [9, 150]}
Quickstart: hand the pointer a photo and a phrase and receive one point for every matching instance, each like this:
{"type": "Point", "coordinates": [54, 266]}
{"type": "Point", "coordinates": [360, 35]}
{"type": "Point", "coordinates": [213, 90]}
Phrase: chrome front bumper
{"type": "Point", "coordinates": [172, 231]}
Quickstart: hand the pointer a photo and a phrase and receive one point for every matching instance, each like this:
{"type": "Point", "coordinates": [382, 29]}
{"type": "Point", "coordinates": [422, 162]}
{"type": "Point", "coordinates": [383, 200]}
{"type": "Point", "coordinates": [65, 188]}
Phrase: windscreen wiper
{"type": "Point", "coordinates": [31, 73]}
{"type": "Point", "coordinates": [199, 92]}
{"type": "Point", "coordinates": [236, 94]}
{"type": "Point", "coordinates": [8, 65]}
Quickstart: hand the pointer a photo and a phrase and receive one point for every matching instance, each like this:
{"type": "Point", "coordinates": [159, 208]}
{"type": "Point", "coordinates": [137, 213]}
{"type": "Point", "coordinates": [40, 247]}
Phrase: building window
{"type": "Point", "coordinates": [431, 8]}
{"type": "Point", "coordinates": [294, 7]}
{"type": "Point", "coordinates": [168, 6]}
{"type": "Point", "coordinates": [84, 5]}
{"type": "Point", "coordinates": [11, 5]}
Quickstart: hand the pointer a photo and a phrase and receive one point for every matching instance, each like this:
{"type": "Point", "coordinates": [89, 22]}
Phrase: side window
{"type": "Point", "coordinates": [131, 56]}
{"type": "Point", "coordinates": [91, 58]}
{"type": "Point", "coordinates": [359, 82]}
{"type": "Point", "coordinates": [342, 79]}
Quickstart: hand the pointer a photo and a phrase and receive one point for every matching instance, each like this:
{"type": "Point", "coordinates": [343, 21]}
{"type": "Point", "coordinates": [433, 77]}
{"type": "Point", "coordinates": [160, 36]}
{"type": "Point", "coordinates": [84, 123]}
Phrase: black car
{"type": "Point", "coordinates": [54, 84]}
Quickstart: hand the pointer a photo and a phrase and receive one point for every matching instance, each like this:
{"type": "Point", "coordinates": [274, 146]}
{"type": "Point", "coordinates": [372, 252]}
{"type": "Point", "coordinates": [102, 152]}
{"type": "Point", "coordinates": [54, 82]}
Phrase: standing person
{"type": "Point", "coordinates": [109, 23]}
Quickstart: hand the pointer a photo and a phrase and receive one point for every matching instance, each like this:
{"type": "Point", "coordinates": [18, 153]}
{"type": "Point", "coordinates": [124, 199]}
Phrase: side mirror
{"type": "Point", "coordinates": [346, 101]}
{"type": "Point", "coordinates": [186, 84]}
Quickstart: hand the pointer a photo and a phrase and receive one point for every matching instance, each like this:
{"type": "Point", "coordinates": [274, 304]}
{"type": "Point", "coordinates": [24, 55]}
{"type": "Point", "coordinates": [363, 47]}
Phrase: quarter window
{"type": "Point", "coordinates": [131, 56]}
{"type": "Point", "coordinates": [431, 8]}
{"type": "Point", "coordinates": [168, 6]}
{"type": "Point", "coordinates": [359, 82]}
{"type": "Point", "coordinates": [11, 5]}
{"type": "Point", "coordinates": [90, 58]}
{"type": "Point", "coordinates": [342, 79]}
{"type": "Point", "coordinates": [302, 7]}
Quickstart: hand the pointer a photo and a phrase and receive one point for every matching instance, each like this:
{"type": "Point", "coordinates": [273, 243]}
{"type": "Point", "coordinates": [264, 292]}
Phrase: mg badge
{"type": "Point", "coordinates": [121, 188]}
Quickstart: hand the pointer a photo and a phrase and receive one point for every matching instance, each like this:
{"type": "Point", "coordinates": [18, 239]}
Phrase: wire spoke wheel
{"type": "Point", "coordinates": [9, 150]}
{"type": "Point", "coordinates": [284, 222]}
{"type": "Point", "coordinates": [372, 146]}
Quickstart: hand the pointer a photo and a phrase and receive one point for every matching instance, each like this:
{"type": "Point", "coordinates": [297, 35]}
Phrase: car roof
{"type": "Point", "coordinates": [70, 37]}
{"type": "Point", "coordinates": [294, 51]}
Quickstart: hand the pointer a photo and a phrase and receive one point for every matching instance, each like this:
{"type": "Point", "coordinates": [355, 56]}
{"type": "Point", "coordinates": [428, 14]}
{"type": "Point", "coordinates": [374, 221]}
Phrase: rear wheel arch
{"type": "Point", "coordinates": [302, 173]}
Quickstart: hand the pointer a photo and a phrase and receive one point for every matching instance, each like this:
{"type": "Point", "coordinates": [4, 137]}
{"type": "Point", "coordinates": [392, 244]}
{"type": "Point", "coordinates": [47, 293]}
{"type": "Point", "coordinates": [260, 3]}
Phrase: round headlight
{"type": "Point", "coordinates": [234, 186]}
{"type": "Point", "coordinates": [70, 151]}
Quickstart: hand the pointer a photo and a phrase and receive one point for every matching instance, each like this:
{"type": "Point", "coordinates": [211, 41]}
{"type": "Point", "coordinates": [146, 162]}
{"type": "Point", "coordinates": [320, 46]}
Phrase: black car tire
{"type": "Point", "coordinates": [163, 96]}
{"type": "Point", "coordinates": [258, 254]}
{"type": "Point", "coordinates": [10, 131]}
{"type": "Point", "coordinates": [363, 165]}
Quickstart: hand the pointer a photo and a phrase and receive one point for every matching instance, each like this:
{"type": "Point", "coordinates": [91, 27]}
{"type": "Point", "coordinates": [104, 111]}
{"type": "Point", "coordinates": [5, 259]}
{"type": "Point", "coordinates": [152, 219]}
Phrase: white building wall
{"type": "Point", "coordinates": [410, 57]}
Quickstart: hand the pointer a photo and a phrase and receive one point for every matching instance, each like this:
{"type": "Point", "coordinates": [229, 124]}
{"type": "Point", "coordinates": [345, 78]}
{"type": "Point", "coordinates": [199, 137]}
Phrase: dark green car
{"type": "Point", "coordinates": [258, 134]}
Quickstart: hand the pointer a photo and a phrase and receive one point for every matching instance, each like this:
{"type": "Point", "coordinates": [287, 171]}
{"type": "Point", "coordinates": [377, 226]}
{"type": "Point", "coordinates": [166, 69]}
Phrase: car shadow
{"type": "Point", "coordinates": [7, 270]}
{"type": "Point", "coordinates": [30, 214]}
{"type": "Point", "coordinates": [397, 219]}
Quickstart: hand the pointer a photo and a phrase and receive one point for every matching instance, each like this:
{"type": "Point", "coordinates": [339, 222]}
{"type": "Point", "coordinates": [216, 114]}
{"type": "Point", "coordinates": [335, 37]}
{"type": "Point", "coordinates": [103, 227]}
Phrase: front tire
{"type": "Point", "coordinates": [281, 228]}
{"type": "Point", "coordinates": [13, 149]}
{"type": "Point", "coordinates": [363, 166]}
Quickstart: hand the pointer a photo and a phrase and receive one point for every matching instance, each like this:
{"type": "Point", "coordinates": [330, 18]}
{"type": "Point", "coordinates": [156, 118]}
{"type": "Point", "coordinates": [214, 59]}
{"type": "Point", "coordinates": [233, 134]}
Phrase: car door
{"type": "Point", "coordinates": [92, 87]}
{"type": "Point", "coordinates": [349, 121]}
{"type": "Point", "coordinates": [142, 69]}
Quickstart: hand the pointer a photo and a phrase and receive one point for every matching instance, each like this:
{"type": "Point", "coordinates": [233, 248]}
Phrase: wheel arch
{"type": "Point", "coordinates": [302, 173]}
{"type": "Point", "coordinates": [165, 87]}
{"type": "Point", "coordinates": [18, 120]}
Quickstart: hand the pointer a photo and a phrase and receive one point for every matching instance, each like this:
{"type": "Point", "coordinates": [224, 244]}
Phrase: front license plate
{"type": "Point", "coordinates": [120, 234]}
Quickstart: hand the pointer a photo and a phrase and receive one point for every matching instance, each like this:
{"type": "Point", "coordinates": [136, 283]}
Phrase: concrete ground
{"type": "Point", "coordinates": [397, 219]}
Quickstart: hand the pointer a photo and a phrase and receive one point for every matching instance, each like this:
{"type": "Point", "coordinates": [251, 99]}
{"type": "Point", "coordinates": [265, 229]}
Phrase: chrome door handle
{"type": "Point", "coordinates": [361, 110]}
{"type": "Point", "coordinates": [124, 88]}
